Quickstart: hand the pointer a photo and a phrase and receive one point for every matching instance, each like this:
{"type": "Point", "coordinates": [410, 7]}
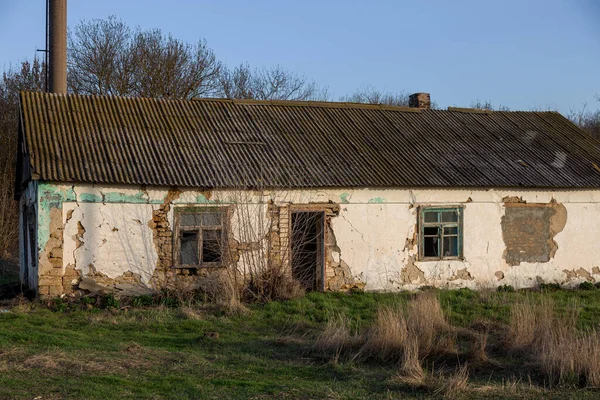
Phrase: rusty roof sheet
{"type": "Point", "coordinates": [217, 143]}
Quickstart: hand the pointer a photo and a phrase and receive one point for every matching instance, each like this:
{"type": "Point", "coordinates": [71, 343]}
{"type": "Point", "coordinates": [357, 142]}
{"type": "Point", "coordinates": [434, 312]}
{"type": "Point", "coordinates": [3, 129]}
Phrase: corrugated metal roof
{"type": "Point", "coordinates": [217, 143]}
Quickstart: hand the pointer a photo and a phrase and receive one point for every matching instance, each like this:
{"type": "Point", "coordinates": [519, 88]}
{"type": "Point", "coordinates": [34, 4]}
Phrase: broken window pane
{"type": "Point", "coordinates": [450, 246]}
{"type": "Point", "coordinates": [450, 216]}
{"type": "Point", "coordinates": [188, 248]}
{"type": "Point", "coordinates": [431, 230]}
{"type": "Point", "coordinates": [211, 218]}
{"type": "Point", "coordinates": [431, 216]}
{"type": "Point", "coordinates": [431, 246]}
{"type": "Point", "coordinates": [211, 245]}
{"type": "Point", "coordinates": [189, 220]}
{"type": "Point", "coordinates": [441, 233]}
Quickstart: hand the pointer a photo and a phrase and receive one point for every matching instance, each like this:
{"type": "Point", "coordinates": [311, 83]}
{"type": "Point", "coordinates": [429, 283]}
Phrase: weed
{"type": "Point", "coordinates": [109, 301]}
{"type": "Point", "coordinates": [586, 286]}
{"type": "Point", "coordinates": [550, 287]}
{"type": "Point", "coordinates": [506, 288]}
{"type": "Point", "coordinates": [144, 300]}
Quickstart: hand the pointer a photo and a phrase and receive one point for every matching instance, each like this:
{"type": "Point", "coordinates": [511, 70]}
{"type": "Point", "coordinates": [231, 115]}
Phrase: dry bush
{"type": "Point", "coordinates": [217, 288]}
{"type": "Point", "coordinates": [411, 371]}
{"type": "Point", "coordinates": [532, 323]}
{"type": "Point", "coordinates": [449, 387]}
{"type": "Point", "coordinates": [426, 319]}
{"type": "Point", "coordinates": [570, 357]}
{"type": "Point", "coordinates": [386, 339]}
{"type": "Point", "coordinates": [268, 283]}
{"type": "Point", "coordinates": [522, 325]}
{"type": "Point", "coordinates": [336, 336]}
{"type": "Point", "coordinates": [589, 357]}
{"type": "Point", "coordinates": [477, 352]}
{"type": "Point", "coordinates": [563, 354]}
{"type": "Point", "coordinates": [396, 330]}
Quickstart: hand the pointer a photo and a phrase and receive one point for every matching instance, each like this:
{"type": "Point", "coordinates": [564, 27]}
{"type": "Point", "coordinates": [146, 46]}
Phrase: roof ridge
{"type": "Point", "coordinates": [309, 103]}
{"type": "Point", "coordinates": [293, 103]}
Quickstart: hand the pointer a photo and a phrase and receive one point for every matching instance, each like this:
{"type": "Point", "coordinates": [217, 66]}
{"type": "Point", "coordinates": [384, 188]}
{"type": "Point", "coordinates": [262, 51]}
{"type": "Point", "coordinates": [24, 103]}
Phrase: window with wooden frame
{"type": "Point", "coordinates": [440, 233]}
{"type": "Point", "coordinates": [200, 237]}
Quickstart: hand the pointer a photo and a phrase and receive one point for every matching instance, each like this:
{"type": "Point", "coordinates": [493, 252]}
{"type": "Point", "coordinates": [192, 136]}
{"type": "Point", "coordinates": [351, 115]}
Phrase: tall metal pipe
{"type": "Point", "coordinates": [58, 45]}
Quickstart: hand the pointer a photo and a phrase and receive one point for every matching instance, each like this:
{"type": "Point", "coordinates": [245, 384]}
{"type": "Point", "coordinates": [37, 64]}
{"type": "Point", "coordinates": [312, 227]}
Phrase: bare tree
{"type": "Point", "coordinates": [587, 120]}
{"type": "Point", "coordinates": [372, 95]}
{"type": "Point", "coordinates": [274, 83]}
{"type": "Point", "coordinates": [106, 57]}
{"type": "Point", "coordinates": [487, 105]}
{"type": "Point", "coordinates": [31, 76]}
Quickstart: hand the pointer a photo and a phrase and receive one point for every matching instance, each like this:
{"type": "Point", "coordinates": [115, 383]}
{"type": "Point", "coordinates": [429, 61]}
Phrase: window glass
{"type": "Point", "coordinates": [188, 249]}
{"type": "Point", "coordinates": [211, 218]}
{"type": "Point", "coordinates": [431, 216]}
{"type": "Point", "coordinates": [200, 234]}
{"type": "Point", "coordinates": [211, 246]}
{"type": "Point", "coordinates": [189, 220]}
{"type": "Point", "coordinates": [451, 230]}
{"type": "Point", "coordinates": [450, 246]}
{"type": "Point", "coordinates": [441, 233]}
{"type": "Point", "coordinates": [450, 216]}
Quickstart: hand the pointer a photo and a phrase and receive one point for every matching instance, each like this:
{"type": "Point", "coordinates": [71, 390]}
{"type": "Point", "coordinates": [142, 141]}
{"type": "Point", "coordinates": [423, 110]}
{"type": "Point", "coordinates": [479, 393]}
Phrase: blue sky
{"type": "Point", "coordinates": [520, 53]}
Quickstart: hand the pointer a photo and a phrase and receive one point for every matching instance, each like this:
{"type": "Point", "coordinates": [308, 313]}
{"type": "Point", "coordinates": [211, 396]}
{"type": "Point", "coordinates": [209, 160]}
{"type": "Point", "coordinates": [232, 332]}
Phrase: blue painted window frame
{"type": "Point", "coordinates": [441, 225]}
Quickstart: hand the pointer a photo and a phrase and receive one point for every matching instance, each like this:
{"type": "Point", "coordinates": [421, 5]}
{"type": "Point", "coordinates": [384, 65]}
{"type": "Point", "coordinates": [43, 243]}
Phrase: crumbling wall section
{"type": "Point", "coordinates": [120, 238]}
{"type": "Point", "coordinates": [528, 231]}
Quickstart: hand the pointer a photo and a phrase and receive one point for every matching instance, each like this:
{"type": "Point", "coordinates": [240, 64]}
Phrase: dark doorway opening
{"type": "Point", "coordinates": [307, 249]}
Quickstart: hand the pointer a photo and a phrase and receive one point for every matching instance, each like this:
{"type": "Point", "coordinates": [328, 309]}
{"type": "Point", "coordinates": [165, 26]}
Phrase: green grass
{"type": "Point", "coordinates": [161, 352]}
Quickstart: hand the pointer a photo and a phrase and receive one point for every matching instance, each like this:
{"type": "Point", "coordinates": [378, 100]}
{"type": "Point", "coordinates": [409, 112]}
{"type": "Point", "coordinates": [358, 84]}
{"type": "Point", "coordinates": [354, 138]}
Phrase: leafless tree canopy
{"type": "Point", "coordinates": [274, 83]}
{"type": "Point", "coordinates": [30, 76]}
{"type": "Point", "coordinates": [587, 120]}
{"type": "Point", "coordinates": [371, 95]}
{"type": "Point", "coordinates": [487, 105]}
{"type": "Point", "coordinates": [106, 57]}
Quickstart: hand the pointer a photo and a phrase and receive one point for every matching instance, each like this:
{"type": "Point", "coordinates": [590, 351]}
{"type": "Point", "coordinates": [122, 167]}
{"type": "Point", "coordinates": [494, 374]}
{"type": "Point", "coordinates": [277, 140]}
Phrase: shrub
{"type": "Point", "coordinates": [506, 288]}
{"type": "Point", "coordinates": [110, 301]}
{"type": "Point", "coordinates": [550, 287]}
{"type": "Point", "coordinates": [586, 286]}
{"type": "Point", "coordinates": [336, 336]}
{"type": "Point", "coordinates": [144, 300]}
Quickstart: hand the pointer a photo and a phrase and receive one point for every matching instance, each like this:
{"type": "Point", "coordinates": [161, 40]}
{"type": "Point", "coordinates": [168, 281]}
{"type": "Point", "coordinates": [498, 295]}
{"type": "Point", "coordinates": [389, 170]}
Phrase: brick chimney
{"type": "Point", "coordinates": [419, 100]}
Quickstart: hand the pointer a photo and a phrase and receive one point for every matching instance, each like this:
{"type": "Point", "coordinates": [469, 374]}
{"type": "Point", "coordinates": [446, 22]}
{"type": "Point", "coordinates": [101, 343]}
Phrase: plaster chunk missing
{"type": "Point", "coordinates": [462, 274]}
{"type": "Point", "coordinates": [528, 231]}
{"type": "Point", "coordinates": [411, 273]}
{"type": "Point", "coordinates": [499, 275]}
{"type": "Point", "coordinates": [579, 273]}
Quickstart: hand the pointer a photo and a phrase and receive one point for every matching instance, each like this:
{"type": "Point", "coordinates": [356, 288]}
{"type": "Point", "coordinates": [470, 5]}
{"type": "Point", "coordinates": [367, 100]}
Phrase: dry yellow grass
{"type": "Point", "coordinates": [336, 336]}
{"type": "Point", "coordinates": [418, 333]}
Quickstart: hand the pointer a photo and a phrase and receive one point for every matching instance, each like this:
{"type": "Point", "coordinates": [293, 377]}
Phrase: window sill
{"type": "Point", "coordinates": [425, 259]}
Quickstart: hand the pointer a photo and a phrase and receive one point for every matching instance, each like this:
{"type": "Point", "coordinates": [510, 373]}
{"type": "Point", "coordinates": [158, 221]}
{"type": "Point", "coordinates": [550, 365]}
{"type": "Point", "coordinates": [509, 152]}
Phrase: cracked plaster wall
{"type": "Point", "coordinates": [104, 232]}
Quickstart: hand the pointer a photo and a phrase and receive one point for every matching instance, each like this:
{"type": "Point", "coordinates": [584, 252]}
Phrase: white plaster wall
{"type": "Point", "coordinates": [117, 238]}
{"type": "Point", "coordinates": [371, 230]}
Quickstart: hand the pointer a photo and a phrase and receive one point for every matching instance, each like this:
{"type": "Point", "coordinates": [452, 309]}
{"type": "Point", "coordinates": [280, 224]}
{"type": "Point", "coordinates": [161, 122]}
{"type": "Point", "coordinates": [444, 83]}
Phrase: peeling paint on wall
{"type": "Point", "coordinates": [110, 235]}
{"type": "Point", "coordinates": [580, 273]}
{"type": "Point", "coordinates": [411, 274]}
{"type": "Point", "coordinates": [462, 274]}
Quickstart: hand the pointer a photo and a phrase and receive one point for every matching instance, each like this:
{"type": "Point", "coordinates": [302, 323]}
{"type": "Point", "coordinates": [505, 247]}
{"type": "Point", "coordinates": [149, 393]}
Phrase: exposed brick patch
{"type": "Point", "coordinates": [528, 231]}
{"type": "Point", "coordinates": [162, 236]}
{"type": "Point", "coordinates": [50, 273]}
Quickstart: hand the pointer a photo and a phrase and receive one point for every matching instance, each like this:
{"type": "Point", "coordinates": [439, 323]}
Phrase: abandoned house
{"type": "Point", "coordinates": [134, 194]}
